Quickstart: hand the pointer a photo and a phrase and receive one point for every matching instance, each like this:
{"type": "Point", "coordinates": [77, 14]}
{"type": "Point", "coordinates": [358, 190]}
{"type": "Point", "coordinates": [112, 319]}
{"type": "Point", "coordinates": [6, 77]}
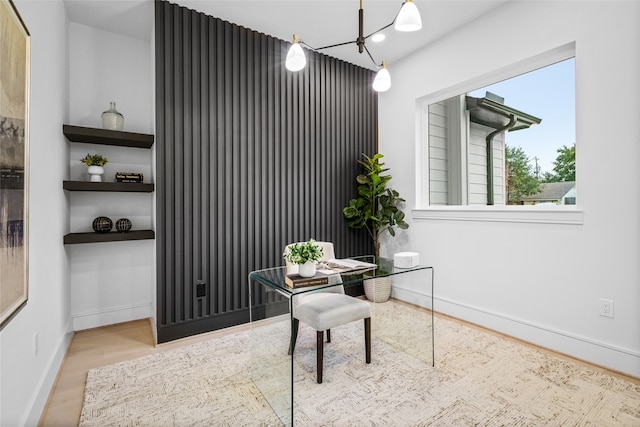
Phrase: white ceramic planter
{"type": "Point", "coordinates": [96, 173]}
{"type": "Point", "coordinates": [308, 269]}
{"type": "Point", "coordinates": [378, 289]}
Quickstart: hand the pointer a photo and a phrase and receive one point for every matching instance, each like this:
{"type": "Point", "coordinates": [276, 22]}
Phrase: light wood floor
{"type": "Point", "coordinates": [104, 346]}
{"type": "Point", "coordinates": [116, 343]}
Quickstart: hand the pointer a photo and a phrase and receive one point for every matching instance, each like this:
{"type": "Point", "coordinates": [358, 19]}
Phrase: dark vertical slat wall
{"type": "Point", "coordinates": [249, 157]}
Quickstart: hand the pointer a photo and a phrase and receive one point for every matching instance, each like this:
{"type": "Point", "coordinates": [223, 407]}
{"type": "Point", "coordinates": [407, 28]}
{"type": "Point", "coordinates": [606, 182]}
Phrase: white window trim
{"type": "Point", "coordinates": [515, 214]}
{"type": "Point", "coordinates": [567, 215]}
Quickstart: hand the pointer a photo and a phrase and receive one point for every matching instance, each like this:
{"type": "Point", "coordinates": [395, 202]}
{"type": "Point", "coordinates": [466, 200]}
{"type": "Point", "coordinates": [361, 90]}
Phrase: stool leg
{"type": "Point", "coordinates": [367, 339]}
{"type": "Point", "coordinates": [320, 345]}
{"type": "Point", "coordinates": [328, 335]}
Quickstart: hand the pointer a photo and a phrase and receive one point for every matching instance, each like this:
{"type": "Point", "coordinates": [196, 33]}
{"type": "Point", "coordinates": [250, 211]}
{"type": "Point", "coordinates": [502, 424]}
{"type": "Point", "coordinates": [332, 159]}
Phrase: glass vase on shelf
{"type": "Point", "coordinates": [112, 119]}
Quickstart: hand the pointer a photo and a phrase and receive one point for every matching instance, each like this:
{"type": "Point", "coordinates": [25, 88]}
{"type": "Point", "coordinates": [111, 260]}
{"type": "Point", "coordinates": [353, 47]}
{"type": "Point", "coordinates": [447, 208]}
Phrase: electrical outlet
{"type": "Point", "coordinates": [35, 344]}
{"type": "Point", "coordinates": [605, 307]}
{"type": "Point", "coordinates": [201, 289]}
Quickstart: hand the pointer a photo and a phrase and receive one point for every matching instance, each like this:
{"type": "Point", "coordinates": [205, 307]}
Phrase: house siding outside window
{"type": "Point", "coordinates": [458, 158]}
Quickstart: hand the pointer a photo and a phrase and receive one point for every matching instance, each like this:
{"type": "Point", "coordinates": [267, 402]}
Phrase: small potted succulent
{"type": "Point", "coordinates": [305, 254]}
{"type": "Point", "coordinates": [95, 162]}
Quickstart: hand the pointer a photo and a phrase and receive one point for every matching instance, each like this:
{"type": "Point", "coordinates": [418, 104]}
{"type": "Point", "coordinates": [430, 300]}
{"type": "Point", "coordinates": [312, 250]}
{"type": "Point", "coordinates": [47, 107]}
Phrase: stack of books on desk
{"type": "Point", "coordinates": [326, 269]}
{"type": "Point", "coordinates": [297, 281]}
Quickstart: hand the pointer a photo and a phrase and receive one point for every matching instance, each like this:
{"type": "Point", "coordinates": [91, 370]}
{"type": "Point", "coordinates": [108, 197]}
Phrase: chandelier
{"type": "Point", "coordinates": [407, 19]}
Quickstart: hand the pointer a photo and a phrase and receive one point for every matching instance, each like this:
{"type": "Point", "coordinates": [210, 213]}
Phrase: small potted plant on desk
{"type": "Point", "coordinates": [95, 163]}
{"type": "Point", "coordinates": [376, 210]}
{"type": "Point", "coordinates": [305, 254]}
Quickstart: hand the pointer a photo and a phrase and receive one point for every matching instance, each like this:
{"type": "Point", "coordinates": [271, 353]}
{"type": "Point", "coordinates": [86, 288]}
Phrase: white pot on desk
{"type": "Point", "coordinates": [308, 269]}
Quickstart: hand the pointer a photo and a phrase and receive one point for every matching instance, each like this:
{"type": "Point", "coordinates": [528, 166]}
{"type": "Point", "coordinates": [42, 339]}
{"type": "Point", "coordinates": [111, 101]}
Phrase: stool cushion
{"type": "Point", "coordinates": [324, 311]}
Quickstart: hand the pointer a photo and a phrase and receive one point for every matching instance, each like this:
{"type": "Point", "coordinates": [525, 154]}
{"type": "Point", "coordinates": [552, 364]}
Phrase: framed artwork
{"type": "Point", "coordinates": [14, 161]}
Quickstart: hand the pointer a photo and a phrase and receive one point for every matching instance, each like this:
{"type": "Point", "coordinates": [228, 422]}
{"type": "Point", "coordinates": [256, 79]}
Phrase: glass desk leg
{"type": "Point", "coordinates": [270, 365]}
{"type": "Point", "coordinates": [410, 329]}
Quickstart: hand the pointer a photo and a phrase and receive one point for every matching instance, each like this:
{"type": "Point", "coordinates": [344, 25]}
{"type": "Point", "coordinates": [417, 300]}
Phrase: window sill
{"type": "Point", "coordinates": [568, 215]}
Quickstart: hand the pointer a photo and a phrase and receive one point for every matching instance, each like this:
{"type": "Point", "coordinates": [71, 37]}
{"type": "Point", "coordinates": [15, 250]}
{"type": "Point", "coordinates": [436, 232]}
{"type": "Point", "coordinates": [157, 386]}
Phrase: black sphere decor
{"type": "Point", "coordinates": [102, 224]}
{"type": "Point", "coordinates": [123, 225]}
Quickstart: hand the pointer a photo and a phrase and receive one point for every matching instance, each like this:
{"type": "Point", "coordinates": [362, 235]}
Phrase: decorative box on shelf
{"type": "Point", "coordinates": [129, 177]}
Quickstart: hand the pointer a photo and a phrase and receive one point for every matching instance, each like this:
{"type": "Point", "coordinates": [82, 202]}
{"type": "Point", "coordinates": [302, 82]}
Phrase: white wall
{"type": "Point", "coordinates": [26, 377]}
{"type": "Point", "coordinates": [538, 281]}
{"type": "Point", "coordinates": [105, 67]}
{"type": "Point", "coordinates": [110, 282]}
{"type": "Point", "coordinates": [75, 72]}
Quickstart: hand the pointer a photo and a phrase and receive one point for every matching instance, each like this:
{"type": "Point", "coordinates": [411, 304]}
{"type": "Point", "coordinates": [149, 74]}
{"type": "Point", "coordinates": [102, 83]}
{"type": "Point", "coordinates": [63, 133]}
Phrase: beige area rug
{"type": "Point", "coordinates": [479, 379]}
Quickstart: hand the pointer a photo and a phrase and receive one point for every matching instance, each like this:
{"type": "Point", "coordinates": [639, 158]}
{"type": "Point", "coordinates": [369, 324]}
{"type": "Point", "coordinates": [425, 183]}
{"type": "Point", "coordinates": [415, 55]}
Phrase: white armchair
{"type": "Point", "coordinates": [328, 308]}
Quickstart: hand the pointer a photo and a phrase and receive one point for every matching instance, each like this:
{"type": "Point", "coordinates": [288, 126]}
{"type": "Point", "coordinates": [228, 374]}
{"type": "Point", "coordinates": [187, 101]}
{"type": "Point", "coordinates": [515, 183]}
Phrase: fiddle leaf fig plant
{"type": "Point", "coordinates": [94, 160]}
{"type": "Point", "coordinates": [376, 207]}
{"type": "Point", "coordinates": [300, 253]}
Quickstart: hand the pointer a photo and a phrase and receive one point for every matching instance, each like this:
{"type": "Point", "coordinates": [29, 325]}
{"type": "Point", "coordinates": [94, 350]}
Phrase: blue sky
{"type": "Point", "coordinates": [549, 94]}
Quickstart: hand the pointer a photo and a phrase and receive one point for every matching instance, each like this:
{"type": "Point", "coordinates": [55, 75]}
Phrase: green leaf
{"type": "Point", "coordinates": [299, 253]}
{"type": "Point", "coordinates": [376, 206]}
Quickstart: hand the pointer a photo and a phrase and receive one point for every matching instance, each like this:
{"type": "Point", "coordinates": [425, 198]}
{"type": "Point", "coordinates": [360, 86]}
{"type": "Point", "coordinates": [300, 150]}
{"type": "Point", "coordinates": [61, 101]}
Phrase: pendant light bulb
{"type": "Point", "coordinates": [296, 60]}
{"type": "Point", "coordinates": [382, 81]}
{"type": "Point", "coordinates": [408, 18]}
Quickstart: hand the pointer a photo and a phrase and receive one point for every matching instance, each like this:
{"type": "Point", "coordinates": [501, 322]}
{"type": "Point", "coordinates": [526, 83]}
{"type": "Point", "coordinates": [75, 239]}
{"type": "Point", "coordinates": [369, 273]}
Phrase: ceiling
{"type": "Point", "coordinates": [318, 22]}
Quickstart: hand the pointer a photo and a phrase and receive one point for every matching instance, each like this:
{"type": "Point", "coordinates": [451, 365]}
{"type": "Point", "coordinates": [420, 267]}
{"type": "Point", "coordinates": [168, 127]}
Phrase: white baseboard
{"type": "Point", "coordinates": [110, 316]}
{"type": "Point", "coordinates": [48, 379]}
{"type": "Point", "coordinates": [610, 356]}
{"type": "Point", "coordinates": [411, 296]}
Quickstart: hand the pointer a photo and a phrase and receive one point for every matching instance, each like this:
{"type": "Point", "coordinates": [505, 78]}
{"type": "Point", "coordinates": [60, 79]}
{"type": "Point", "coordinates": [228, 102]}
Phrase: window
{"type": "Point", "coordinates": [508, 143]}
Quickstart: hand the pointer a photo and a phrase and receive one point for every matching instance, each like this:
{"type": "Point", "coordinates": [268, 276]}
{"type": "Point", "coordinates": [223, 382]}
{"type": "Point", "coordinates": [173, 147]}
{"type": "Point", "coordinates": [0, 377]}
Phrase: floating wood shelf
{"type": "Point", "coordinates": [107, 137]}
{"type": "Point", "coordinates": [114, 236]}
{"type": "Point", "coordinates": [107, 186]}
{"type": "Point", "coordinates": [114, 138]}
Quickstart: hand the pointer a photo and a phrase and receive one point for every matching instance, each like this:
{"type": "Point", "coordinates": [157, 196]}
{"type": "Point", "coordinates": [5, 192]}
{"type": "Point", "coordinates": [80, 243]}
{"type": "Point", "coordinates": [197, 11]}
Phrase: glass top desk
{"type": "Point", "coordinates": [275, 373]}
